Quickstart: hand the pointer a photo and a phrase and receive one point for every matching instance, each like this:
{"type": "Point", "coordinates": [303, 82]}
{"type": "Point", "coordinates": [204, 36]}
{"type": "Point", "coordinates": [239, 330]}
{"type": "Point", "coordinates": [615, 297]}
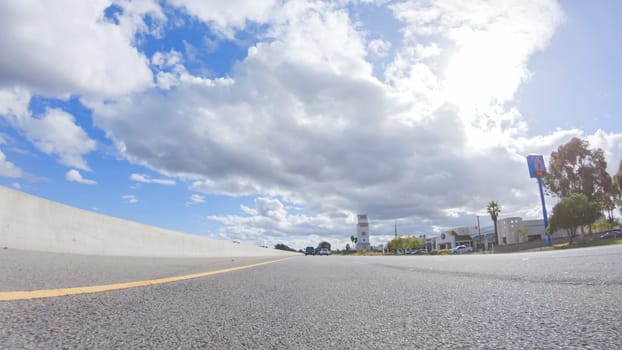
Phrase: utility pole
{"type": "Point", "coordinates": [479, 232]}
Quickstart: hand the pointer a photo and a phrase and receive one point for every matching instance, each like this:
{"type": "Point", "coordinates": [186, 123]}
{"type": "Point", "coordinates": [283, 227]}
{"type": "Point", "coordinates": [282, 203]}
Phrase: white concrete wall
{"type": "Point", "coordinates": [33, 223]}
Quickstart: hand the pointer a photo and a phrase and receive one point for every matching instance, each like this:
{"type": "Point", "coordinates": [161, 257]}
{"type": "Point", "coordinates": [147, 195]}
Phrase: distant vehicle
{"type": "Point", "coordinates": [419, 252]}
{"type": "Point", "coordinates": [611, 234]}
{"type": "Point", "coordinates": [324, 251]}
{"type": "Point", "coordinates": [461, 249]}
{"type": "Point", "coordinates": [309, 251]}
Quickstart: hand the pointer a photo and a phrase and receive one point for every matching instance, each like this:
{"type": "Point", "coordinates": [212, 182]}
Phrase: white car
{"type": "Point", "coordinates": [324, 251]}
{"type": "Point", "coordinates": [461, 249]}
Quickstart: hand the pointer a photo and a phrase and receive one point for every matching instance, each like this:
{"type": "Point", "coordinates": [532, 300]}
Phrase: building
{"type": "Point", "coordinates": [515, 230]}
{"type": "Point", "coordinates": [455, 237]}
{"type": "Point", "coordinates": [362, 233]}
{"type": "Point", "coordinates": [511, 231]}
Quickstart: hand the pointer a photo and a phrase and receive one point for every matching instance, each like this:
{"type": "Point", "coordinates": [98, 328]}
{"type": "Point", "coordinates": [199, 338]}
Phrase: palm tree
{"type": "Point", "coordinates": [494, 209]}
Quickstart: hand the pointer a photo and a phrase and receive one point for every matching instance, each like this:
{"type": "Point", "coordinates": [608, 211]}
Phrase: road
{"type": "Point", "coordinates": [546, 300]}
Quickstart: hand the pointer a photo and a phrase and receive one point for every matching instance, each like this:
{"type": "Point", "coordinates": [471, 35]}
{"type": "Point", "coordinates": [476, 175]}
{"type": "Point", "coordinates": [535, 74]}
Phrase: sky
{"type": "Point", "coordinates": [276, 121]}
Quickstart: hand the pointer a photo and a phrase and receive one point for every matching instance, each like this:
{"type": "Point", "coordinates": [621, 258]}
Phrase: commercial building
{"type": "Point", "coordinates": [511, 230]}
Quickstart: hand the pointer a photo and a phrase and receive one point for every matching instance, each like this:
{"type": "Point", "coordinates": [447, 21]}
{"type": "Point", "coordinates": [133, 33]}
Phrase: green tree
{"type": "Point", "coordinates": [609, 197]}
{"type": "Point", "coordinates": [603, 224]}
{"type": "Point", "coordinates": [282, 246]}
{"type": "Point", "coordinates": [575, 168]}
{"type": "Point", "coordinates": [347, 247]}
{"type": "Point", "coordinates": [617, 184]}
{"type": "Point", "coordinates": [523, 234]}
{"type": "Point", "coordinates": [324, 244]}
{"type": "Point", "coordinates": [404, 243]}
{"type": "Point", "coordinates": [354, 239]}
{"type": "Point", "coordinates": [573, 212]}
{"type": "Point", "coordinates": [494, 210]}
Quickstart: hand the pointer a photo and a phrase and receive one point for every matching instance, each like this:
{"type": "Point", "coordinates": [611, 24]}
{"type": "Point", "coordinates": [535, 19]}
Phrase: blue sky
{"type": "Point", "coordinates": [279, 121]}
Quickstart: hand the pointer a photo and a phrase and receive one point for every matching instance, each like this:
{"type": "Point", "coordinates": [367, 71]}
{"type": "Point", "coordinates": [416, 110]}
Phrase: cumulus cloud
{"type": "Point", "coordinates": [225, 17]}
{"type": "Point", "coordinates": [54, 132]}
{"type": "Point", "coordinates": [145, 179]}
{"type": "Point", "coordinates": [379, 47]}
{"type": "Point", "coordinates": [305, 119]}
{"type": "Point", "coordinates": [8, 169]}
{"type": "Point", "coordinates": [90, 55]}
{"type": "Point", "coordinates": [130, 198]}
{"type": "Point", "coordinates": [195, 199]}
{"type": "Point", "coordinates": [74, 175]}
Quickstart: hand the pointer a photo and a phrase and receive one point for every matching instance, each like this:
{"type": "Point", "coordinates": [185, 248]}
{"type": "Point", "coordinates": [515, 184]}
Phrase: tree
{"type": "Point", "coordinates": [617, 184]}
{"type": "Point", "coordinates": [609, 197]}
{"type": "Point", "coordinates": [573, 212]}
{"type": "Point", "coordinates": [282, 246]}
{"type": "Point", "coordinates": [404, 243]}
{"type": "Point", "coordinates": [324, 244]}
{"type": "Point", "coordinates": [574, 168]}
{"type": "Point", "coordinates": [347, 247]}
{"type": "Point", "coordinates": [494, 209]}
{"type": "Point", "coordinates": [523, 234]}
{"type": "Point", "coordinates": [354, 239]}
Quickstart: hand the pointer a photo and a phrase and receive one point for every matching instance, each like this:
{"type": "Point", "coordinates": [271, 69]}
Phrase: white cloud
{"type": "Point", "coordinates": [306, 118]}
{"type": "Point", "coordinates": [8, 169]}
{"type": "Point", "coordinates": [226, 16]}
{"type": "Point", "coordinates": [379, 47]}
{"type": "Point", "coordinates": [145, 179]}
{"type": "Point", "coordinates": [195, 199]}
{"type": "Point", "coordinates": [74, 175]}
{"type": "Point", "coordinates": [16, 185]}
{"type": "Point", "coordinates": [303, 118]}
{"type": "Point", "coordinates": [55, 132]}
{"type": "Point", "coordinates": [130, 198]}
{"type": "Point", "coordinates": [89, 56]}
{"type": "Point", "coordinates": [485, 48]}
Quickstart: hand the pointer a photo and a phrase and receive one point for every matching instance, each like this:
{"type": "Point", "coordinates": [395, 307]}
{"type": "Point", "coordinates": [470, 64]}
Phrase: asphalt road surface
{"type": "Point", "coordinates": [548, 300]}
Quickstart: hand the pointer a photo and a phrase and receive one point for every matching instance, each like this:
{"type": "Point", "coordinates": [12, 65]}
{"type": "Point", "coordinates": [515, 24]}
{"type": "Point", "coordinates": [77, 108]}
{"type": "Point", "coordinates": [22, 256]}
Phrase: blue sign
{"type": "Point", "coordinates": [536, 166]}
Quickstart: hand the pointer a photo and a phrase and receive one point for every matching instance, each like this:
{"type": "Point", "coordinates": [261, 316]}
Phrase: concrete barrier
{"type": "Point", "coordinates": [33, 223]}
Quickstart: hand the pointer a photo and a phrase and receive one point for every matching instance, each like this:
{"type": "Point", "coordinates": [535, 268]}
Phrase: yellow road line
{"type": "Point", "coordinates": [50, 293]}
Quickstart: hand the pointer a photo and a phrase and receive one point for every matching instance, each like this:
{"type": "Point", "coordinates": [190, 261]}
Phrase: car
{"type": "Point", "coordinates": [461, 249]}
{"type": "Point", "coordinates": [324, 251]}
{"type": "Point", "coordinates": [309, 251]}
{"type": "Point", "coordinates": [611, 234]}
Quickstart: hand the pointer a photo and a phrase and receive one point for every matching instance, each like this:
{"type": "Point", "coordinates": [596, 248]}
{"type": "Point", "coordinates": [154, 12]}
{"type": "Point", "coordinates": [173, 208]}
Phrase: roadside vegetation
{"type": "Point", "coordinates": [588, 243]}
{"type": "Point", "coordinates": [588, 195]}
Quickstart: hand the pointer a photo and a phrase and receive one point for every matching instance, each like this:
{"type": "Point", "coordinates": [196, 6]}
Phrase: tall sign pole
{"type": "Point", "coordinates": [537, 169]}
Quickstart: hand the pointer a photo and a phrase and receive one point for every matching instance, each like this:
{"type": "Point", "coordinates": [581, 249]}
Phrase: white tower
{"type": "Point", "coordinates": [362, 232]}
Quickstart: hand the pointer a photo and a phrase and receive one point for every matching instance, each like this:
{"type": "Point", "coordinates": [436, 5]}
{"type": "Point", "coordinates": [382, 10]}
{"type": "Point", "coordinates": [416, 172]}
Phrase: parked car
{"type": "Point", "coordinates": [461, 249]}
{"type": "Point", "coordinates": [309, 251]}
{"type": "Point", "coordinates": [324, 251]}
{"type": "Point", "coordinates": [611, 234]}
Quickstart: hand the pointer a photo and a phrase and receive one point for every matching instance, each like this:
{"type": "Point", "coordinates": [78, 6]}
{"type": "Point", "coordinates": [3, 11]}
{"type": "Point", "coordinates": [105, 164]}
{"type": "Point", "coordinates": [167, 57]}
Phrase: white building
{"type": "Point", "coordinates": [516, 230]}
{"type": "Point", "coordinates": [511, 231]}
{"type": "Point", "coordinates": [362, 232]}
{"type": "Point", "coordinates": [455, 237]}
